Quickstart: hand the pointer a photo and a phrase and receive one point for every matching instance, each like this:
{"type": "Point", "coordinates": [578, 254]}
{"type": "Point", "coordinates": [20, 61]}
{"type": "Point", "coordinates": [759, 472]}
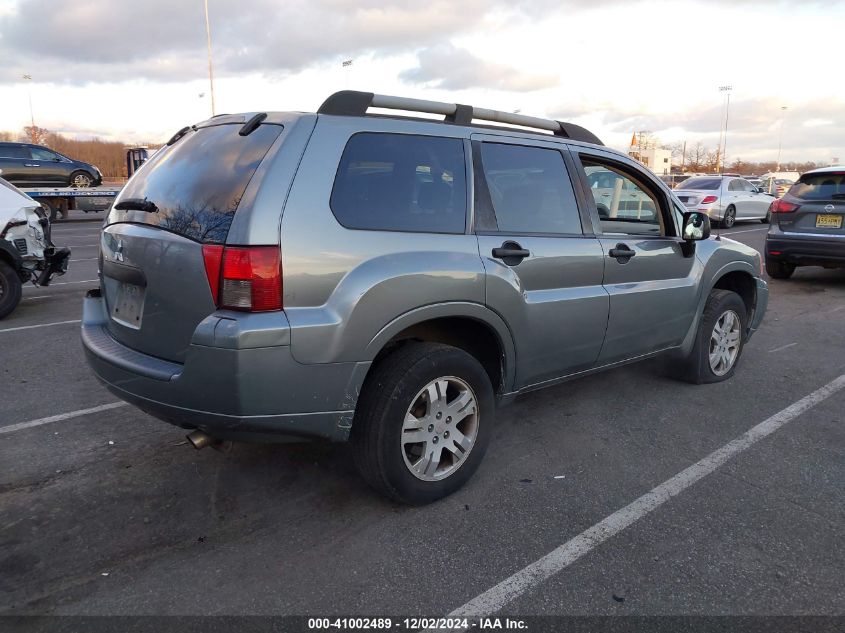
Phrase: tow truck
{"type": "Point", "coordinates": [58, 201]}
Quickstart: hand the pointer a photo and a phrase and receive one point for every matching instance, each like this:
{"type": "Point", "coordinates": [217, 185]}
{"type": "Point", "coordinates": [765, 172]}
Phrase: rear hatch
{"type": "Point", "coordinates": [153, 274]}
{"type": "Point", "coordinates": [815, 205]}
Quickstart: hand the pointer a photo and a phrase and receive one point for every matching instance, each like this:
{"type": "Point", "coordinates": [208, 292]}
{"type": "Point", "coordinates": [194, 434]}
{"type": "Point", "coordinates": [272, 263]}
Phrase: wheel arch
{"type": "Point", "coordinates": [471, 327]}
{"type": "Point", "coordinates": [737, 276]}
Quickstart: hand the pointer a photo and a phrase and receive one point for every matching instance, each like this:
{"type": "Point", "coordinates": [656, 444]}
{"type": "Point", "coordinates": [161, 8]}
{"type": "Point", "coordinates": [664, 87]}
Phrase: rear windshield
{"type": "Point", "coordinates": [701, 184]}
{"type": "Point", "coordinates": [197, 182]}
{"type": "Point", "coordinates": [826, 186]}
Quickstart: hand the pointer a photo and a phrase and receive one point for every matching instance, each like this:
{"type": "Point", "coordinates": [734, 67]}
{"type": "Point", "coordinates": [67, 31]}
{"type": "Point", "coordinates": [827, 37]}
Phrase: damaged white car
{"type": "Point", "coordinates": [26, 251]}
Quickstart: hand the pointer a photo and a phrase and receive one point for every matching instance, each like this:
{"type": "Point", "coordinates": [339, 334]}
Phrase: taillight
{"type": "Point", "coordinates": [781, 206]}
{"type": "Point", "coordinates": [244, 277]}
{"type": "Point", "coordinates": [212, 256]}
{"type": "Point", "coordinates": [708, 200]}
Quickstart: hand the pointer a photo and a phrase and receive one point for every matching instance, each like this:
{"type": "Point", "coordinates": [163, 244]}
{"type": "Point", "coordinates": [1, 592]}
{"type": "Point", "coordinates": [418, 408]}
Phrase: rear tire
{"type": "Point", "coordinates": [50, 210]}
{"type": "Point", "coordinates": [403, 399]}
{"type": "Point", "coordinates": [719, 340]}
{"type": "Point", "coordinates": [779, 270]}
{"type": "Point", "coordinates": [729, 219]}
{"type": "Point", "coordinates": [10, 289]}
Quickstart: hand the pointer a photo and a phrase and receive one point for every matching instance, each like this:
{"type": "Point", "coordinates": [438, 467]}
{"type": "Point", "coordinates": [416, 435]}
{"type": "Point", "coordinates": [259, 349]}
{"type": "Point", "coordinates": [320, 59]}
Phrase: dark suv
{"type": "Point", "coordinates": [27, 165]}
{"type": "Point", "coordinates": [392, 280]}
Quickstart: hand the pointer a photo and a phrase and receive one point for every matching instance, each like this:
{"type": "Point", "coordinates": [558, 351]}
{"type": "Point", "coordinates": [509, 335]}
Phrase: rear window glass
{"type": "Point", "coordinates": [401, 182]}
{"type": "Point", "coordinates": [701, 184]}
{"type": "Point", "coordinates": [827, 186]}
{"type": "Point", "coordinates": [197, 182]}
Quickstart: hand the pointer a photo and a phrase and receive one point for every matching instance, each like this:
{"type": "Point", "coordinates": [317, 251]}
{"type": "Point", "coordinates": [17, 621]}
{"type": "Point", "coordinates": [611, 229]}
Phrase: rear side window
{"type": "Point", "coordinates": [824, 186]}
{"type": "Point", "coordinates": [401, 182]}
{"type": "Point", "coordinates": [197, 183]}
{"type": "Point", "coordinates": [529, 189]}
{"type": "Point", "coordinates": [13, 151]}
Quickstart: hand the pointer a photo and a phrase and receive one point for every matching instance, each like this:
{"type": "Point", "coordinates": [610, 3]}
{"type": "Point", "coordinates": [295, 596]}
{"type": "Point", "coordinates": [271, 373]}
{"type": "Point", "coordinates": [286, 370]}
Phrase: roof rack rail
{"type": "Point", "coordinates": [355, 103]}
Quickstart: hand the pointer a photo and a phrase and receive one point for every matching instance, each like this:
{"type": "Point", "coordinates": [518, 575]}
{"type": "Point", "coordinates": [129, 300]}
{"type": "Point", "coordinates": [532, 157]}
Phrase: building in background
{"type": "Point", "coordinates": [644, 149]}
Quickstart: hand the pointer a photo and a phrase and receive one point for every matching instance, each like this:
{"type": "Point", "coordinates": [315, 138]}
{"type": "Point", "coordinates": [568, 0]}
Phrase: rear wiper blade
{"type": "Point", "coordinates": [136, 204]}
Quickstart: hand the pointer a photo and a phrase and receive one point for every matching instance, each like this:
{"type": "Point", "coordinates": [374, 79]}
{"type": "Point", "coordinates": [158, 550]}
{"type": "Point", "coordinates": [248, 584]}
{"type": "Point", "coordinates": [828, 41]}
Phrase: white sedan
{"type": "Point", "coordinates": [725, 199]}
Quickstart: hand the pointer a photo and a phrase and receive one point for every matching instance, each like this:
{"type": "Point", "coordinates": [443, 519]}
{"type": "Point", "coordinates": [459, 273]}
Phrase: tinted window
{"type": "Point", "coordinates": [529, 189]}
{"type": "Point", "coordinates": [197, 182]}
{"type": "Point", "coordinates": [624, 205]}
{"type": "Point", "coordinates": [824, 186]}
{"type": "Point", "coordinates": [42, 154]}
{"type": "Point", "coordinates": [13, 151]}
{"type": "Point", "coordinates": [401, 182]}
{"type": "Point", "coordinates": [705, 184]}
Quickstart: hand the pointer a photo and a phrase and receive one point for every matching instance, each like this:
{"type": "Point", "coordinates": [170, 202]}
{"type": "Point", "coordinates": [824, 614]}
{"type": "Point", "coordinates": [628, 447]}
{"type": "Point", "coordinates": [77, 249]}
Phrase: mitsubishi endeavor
{"type": "Point", "coordinates": [391, 280]}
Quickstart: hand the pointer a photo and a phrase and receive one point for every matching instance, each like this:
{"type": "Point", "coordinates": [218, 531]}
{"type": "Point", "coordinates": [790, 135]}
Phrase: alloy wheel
{"type": "Point", "coordinates": [81, 180]}
{"type": "Point", "coordinates": [440, 428]}
{"type": "Point", "coordinates": [724, 342]}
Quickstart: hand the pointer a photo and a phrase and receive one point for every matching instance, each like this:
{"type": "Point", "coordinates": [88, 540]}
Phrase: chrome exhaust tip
{"type": "Point", "coordinates": [199, 440]}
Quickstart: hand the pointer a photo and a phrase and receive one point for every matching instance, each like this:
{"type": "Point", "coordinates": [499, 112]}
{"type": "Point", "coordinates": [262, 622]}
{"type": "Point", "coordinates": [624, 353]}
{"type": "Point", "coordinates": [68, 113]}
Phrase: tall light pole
{"type": "Point", "coordinates": [28, 80]}
{"type": "Point", "coordinates": [347, 64]}
{"type": "Point", "coordinates": [780, 135]}
{"type": "Point", "coordinates": [210, 67]}
{"type": "Point", "coordinates": [720, 152]}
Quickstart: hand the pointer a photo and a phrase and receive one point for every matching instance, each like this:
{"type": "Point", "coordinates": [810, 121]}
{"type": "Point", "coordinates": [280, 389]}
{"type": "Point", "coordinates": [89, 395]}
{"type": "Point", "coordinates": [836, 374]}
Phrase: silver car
{"type": "Point", "coordinates": [392, 280]}
{"type": "Point", "coordinates": [725, 199]}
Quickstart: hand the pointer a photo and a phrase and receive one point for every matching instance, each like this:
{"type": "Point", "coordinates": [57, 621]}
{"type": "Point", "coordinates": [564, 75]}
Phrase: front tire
{"type": "Point", "coordinates": [81, 179]}
{"type": "Point", "coordinates": [423, 422]}
{"type": "Point", "coordinates": [10, 289]}
{"type": "Point", "coordinates": [719, 340]}
{"type": "Point", "coordinates": [729, 219]}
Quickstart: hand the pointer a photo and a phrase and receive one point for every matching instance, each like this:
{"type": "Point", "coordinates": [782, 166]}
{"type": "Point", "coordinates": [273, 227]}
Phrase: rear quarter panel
{"type": "Point", "coordinates": [343, 287]}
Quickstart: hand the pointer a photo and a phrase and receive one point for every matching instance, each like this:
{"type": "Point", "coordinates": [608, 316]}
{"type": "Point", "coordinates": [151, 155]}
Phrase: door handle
{"type": "Point", "coordinates": [31, 165]}
{"type": "Point", "coordinates": [511, 253]}
{"type": "Point", "coordinates": [621, 253]}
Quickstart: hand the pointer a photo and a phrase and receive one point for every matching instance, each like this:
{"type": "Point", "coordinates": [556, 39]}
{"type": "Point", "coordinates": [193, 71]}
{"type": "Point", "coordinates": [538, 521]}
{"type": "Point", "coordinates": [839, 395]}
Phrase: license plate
{"type": "Point", "coordinates": [129, 305]}
{"type": "Point", "coordinates": [828, 221]}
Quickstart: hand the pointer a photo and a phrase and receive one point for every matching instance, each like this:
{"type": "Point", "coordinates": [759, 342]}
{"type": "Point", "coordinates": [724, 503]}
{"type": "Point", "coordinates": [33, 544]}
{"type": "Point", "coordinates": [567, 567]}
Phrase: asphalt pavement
{"type": "Point", "coordinates": [110, 512]}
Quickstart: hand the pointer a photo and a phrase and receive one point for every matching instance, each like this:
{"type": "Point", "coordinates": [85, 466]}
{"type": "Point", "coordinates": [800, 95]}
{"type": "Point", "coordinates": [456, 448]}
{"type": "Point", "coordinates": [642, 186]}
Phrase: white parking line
{"type": "Point", "coordinates": [37, 297]}
{"type": "Point", "coordinates": [494, 599]}
{"type": "Point", "coordinates": [84, 259]}
{"type": "Point", "coordinates": [782, 347]}
{"type": "Point", "coordinates": [64, 283]}
{"type": "Point", "coordinates": [58, 418]}
{"type": "Point", "coordinates": [29, 327]}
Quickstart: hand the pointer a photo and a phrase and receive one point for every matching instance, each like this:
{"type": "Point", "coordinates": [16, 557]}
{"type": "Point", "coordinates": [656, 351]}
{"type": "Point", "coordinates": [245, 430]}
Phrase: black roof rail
{"type": "Point", "coordinates": [355, 103]}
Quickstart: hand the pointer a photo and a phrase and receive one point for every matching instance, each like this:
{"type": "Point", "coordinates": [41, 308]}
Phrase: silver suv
{"type": "Point", "coordinates": [392, 279]}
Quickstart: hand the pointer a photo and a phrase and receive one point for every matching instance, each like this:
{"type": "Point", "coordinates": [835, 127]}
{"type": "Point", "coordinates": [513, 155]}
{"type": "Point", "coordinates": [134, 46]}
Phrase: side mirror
{"type": "Point", "coordinates": [696, 226]}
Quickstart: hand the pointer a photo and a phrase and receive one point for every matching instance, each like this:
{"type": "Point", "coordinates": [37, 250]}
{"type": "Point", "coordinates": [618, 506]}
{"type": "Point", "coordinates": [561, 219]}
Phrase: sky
{"type": "Point", "coordinates": [137, 70]}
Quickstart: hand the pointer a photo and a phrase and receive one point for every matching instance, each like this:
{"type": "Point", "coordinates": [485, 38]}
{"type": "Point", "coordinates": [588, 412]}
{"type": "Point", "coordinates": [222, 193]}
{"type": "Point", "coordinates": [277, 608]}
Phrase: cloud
{"type": "Point", "coordinates": [753, 125]}
{"type": "Point", "coordinates": [447, 67]}
{"type": "Point", "coordinates": [164, 40]}
{"type": "Point", "coordinates": [102, 40]}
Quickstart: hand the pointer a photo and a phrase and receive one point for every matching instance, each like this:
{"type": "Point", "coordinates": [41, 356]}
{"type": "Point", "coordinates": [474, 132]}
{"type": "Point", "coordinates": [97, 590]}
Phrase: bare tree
{"type": "Point", "coordinates": [34, 134]}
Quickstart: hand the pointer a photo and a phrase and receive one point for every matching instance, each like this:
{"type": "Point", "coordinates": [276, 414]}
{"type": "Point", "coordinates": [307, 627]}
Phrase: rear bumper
{"type": "Point", "coordinates": [806, 251]}
{"type": "Point", "coordinates": [229, 387]}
